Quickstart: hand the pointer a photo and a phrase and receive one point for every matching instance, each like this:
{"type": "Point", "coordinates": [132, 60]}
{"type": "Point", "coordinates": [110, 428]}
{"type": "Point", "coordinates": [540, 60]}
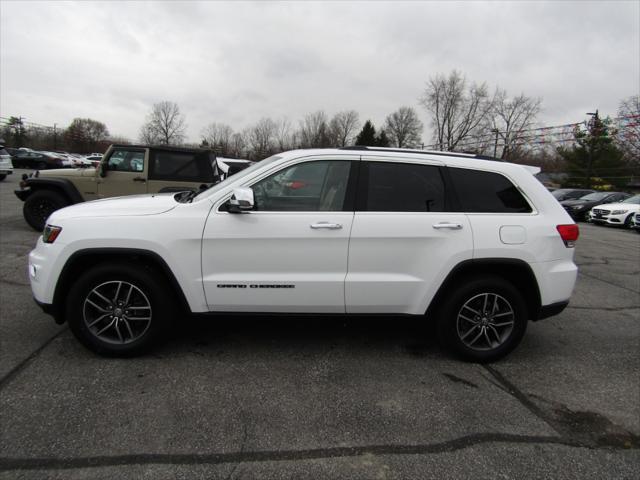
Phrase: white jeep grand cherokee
{"type": "Point", "coordinates": [479, 246]}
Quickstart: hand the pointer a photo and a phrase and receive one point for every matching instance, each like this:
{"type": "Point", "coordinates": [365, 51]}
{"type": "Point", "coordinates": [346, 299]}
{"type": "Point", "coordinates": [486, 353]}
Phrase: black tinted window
{"type": "Point", "coordinates": [186, 166]}
{"type": "Point", "coordinates": [487, 192]}
{"type": "Point", "coordinates": [305, 187]}
{"type": "Point", "coordinates": [404, 187]}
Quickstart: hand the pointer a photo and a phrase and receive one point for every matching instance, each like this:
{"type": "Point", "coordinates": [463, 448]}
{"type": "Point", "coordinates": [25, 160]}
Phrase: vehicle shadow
{"type": "Point", "coordinates": [412, 335]}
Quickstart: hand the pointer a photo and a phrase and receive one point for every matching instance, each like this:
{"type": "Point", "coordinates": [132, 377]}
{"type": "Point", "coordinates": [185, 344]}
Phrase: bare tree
{"type": "Point", "coordinates": [344, 127]}
{"type": "Point", "coordinates": [148, 134]}
{"type": "Point", "coordinates": [314, 130]}
{"type": "Point", "coordinates": [165, 124]}
{"type": "Point", "coordinates": [261, 138]}
{"type": "Point", "coordinates": [457, 110]}
{"type": "Point", "coordinates": [628, 133]}
{"type": "Point", "coordinates": [509, 121]}
{"type": "Point", "coordinates": [218, 136]}
{"type": "Point", "coordinates": [238, 145]}
{"type": "Point", "coordinates": [283, 136]}
{"type": "Point", "coordinates": [404, 128]}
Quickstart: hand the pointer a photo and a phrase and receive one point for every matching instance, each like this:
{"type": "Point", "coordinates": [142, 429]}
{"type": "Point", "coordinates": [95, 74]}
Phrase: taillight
{"type": "Point", "coordinates": [569, 234]}
{"type": "Point", "coordinates": [50, 233]}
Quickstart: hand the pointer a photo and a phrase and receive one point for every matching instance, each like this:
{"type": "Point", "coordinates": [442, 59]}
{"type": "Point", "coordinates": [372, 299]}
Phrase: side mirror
{"type": "Point", "coordinates": [102, 169]}
{"type": "Point", "coordinates": [241, 200]}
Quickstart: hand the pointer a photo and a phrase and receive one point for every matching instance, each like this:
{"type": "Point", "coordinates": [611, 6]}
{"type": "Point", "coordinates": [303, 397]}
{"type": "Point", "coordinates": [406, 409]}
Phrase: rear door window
{"type": "Point", "coordinates": [487, 192]}
{"type": "Point", "coordinates": [403, 187]}
{"type": "Point", "coordinates": [179, 166]}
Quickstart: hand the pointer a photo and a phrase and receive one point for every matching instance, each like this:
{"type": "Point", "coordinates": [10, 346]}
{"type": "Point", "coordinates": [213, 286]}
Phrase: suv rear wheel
{"type": "Point", "coordinates": [483, 320]}
{"type": "Point", "coordinates": [119, 309]}
{"type": "Point", "coordinates": [39, 205]}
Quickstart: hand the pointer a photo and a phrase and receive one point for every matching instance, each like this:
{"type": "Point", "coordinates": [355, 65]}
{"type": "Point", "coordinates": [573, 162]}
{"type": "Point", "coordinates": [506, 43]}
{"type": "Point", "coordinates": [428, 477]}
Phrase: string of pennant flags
{"type": "Point", "coordinates": [627, 127]}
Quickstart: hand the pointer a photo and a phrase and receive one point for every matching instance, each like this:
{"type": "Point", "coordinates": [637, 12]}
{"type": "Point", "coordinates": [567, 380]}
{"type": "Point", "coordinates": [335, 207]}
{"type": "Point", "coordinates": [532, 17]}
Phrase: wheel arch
{"type": "Point", "coordinates": [59, 185]}
{"type": "Point", "coordinates": [515, 271]}
{"type": "Point", "coordinates": [82, 259]}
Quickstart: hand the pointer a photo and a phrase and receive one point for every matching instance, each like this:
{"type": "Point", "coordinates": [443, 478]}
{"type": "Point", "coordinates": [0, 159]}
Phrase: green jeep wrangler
{"type": "Point", "coordinates": [124, 170]}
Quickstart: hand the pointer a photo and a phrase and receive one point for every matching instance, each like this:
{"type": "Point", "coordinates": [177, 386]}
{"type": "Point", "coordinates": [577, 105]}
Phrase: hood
{"type": "Point", "coordinates": [132, 205]}
{"type": "Point", "coordinates": [632, 207]}
{"type": "Point", "coordinates": [67, 172]}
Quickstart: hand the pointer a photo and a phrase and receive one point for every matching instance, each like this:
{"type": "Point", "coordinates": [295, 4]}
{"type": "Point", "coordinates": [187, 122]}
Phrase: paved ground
{"type": "Point", "coordinates": [255, 398]}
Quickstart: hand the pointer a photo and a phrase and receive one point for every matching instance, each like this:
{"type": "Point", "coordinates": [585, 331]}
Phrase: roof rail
{"type": "Point", "coordinates": [423, 152]}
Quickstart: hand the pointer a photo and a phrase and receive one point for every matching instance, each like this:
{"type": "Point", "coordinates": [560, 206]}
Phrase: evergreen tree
{"type": "Point", "coordinates": [594, 160]}
{"type": "Point", "coordinates": [382, 140]}
{"type": "Point", "coordinates": [367, 136]}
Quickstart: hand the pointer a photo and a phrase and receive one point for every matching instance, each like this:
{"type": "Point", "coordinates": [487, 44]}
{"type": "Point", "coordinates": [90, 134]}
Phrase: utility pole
{"type": "Point", "coordinates": [591, 127]}
{"type": "Point", "coordinates": [495, 144]}
{"type": "Point", "coordinates": [55, 137]}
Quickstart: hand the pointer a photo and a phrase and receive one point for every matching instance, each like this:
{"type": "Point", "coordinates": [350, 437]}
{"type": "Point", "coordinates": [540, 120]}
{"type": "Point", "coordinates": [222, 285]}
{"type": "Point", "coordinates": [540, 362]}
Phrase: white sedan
{"type": "Point", "coordinates": [616, 213]}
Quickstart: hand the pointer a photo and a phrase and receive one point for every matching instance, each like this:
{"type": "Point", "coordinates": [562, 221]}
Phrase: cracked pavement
{"type": "Point", "coordinates": [326, 398]}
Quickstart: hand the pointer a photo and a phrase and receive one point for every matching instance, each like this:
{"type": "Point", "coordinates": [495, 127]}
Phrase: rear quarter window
{"type": "Point", "coordinates": [487, 192]}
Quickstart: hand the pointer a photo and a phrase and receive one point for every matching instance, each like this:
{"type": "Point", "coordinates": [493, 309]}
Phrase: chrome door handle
{"type": "Point", "coordinates": [330, 226]}
{"type": "Point", "coordinates": [452, 226]}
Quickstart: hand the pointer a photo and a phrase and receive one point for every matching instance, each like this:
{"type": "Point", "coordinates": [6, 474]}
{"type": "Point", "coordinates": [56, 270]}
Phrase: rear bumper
{"type": "Point", "coordinates": [547, 311]}
{"type": "Point", "coordinates": [5, 172]}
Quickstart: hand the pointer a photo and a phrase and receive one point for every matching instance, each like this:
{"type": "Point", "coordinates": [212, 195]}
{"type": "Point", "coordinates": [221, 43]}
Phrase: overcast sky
{"type": "Point", "coordinates": [236, 62]}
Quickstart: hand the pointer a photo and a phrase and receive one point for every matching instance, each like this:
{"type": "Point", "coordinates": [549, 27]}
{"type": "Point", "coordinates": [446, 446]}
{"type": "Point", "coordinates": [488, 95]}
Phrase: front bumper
{"type": "Point", "coordinates": [608, 219]}
{"type": "Point", "coordinates": [23, 194]}
{"type": "Point", "coordinates": [50, 309]}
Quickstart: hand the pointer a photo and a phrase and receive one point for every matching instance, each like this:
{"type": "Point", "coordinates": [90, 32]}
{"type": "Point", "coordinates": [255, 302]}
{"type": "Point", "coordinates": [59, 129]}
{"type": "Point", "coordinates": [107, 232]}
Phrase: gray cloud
{"type": "Point", "coordinates": [236, 62]}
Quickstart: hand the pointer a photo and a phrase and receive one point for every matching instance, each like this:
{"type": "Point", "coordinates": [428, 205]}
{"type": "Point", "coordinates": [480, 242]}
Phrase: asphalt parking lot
{"type": "Point", "coordinates": [367, 398]}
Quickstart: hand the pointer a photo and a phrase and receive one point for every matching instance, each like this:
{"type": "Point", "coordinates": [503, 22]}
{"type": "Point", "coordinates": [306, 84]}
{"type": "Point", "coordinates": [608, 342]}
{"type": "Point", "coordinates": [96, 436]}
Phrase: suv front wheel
{"type": "Point", "coordinates": [119, 309]}
{"type": "Point", "coordinates": [483, 320]}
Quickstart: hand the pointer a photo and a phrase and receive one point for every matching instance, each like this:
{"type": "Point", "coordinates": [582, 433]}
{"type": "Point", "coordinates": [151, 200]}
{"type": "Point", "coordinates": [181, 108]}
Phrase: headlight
{"type": "Point", "coordinates": [50, 233]}
{"type": "Point", "coordinates": [619, 212]}
{"type": "Point", "coordinates": [576, 207]}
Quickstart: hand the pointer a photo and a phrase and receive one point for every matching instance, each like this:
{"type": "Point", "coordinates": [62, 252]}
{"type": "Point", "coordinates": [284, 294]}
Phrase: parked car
{"type": "Point", "coordinates": [94, 160]}
{"type": "Point", "coordinates": [579, 208]}
{"type": "Point", "coordinates": [125, 170]}
{"type": "Point", "coordinates": [39, 160]}
{"type": "Point", "coordinates": [479, 246]}
{"type": "Point", "coordinates": [12, 151]}
{"type": "Point", "coordinates": [6, 166]}
{"type": "Point", "coordinates": [231, 166]}
{"type": "Point", "coordinates": [635, 222]}
{"type": "Point", "coordinates": [570, 193]}
{"type": "Point", "coordinates": [619, 214]}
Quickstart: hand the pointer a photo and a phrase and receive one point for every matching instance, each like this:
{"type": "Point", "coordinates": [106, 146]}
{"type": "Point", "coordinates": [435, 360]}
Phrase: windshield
{"type": "Point", "coordinates": [635, 200]}
{"type": "Point", "coordinates": [237, 176]}
{"type": "Point", "coordinates": [595, 196]}
{"type": "Point", "coordinates": [560, 193]}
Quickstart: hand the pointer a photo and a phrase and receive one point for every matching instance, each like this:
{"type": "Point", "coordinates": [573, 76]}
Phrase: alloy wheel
{"type": "Point", "coordinates": [117, 312]}
{"type": "Point", "coordinates": [485, 321]}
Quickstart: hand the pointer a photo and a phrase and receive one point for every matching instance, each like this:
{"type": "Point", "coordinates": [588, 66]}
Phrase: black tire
{"type": "Point", "coordinates": [81, 313]}
{"type": "Point", "coordinates": [452, 329]}
{"type": "Point", "coordinates": [627, 221]}
{"type": "Point", "coordinates": [39, 205]}
{"type": "Point", "coordinates": [42, 165]}
{"type": "Point", "coordinates": [3, 176]}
